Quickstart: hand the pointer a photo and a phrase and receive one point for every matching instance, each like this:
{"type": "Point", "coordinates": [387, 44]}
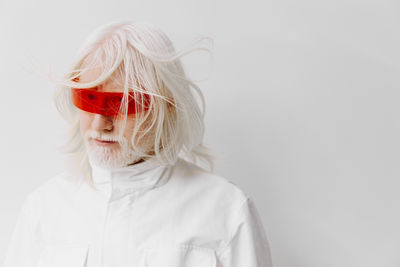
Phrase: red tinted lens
{"type": "Point", "coordinates": [107, 103]}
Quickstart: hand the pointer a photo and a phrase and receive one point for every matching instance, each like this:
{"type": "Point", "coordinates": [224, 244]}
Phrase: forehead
{"type": "Point", "coordinates": [113, 83]}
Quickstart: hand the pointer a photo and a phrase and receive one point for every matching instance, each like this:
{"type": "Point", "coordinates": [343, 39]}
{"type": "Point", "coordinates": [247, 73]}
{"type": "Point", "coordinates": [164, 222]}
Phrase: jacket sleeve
{"type": "Point", "coordinates": [248, 246]}
{"type": "Point", "coordinates": [22, 250]}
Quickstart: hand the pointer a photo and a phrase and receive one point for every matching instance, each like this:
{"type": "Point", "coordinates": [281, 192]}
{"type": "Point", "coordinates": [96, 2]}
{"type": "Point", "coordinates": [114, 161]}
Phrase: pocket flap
{"type": "Point", "coordinates": [63, 256]}
{"type": "Point", "coordinates": [183, 256]}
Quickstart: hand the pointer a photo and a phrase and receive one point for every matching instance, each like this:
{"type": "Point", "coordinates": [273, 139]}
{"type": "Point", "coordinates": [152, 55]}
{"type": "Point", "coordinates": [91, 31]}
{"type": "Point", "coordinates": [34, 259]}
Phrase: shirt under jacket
{"type": "Point", "coordinates": [142, 215]}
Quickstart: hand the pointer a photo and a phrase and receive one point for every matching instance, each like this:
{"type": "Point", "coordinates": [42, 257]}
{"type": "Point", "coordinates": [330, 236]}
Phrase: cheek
{"type": "Point", "coordinates": [84, 121]}
{"type": "Point", "coordinates": [130, 123]}
{"type": "Point", "coordinates": [128, 130]}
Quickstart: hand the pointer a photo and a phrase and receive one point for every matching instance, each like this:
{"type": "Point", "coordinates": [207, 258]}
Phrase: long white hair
{"type": "Point", "coordinates": [143, 57]}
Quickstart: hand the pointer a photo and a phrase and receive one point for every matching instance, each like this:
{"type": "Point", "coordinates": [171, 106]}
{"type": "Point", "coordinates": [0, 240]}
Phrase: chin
{"type": "Point", "coordinates": [111, 157]}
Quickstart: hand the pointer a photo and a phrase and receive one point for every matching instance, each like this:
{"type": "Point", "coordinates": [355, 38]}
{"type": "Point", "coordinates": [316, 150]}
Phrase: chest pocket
{"type": "Point", "coordinates": [178, 256]}
{"type": "Point", "coordinates": [54, 255]}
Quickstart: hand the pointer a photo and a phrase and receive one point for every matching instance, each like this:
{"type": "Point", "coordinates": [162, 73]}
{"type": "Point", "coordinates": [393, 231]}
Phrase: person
{"type": "Point", "coordinates": [134, 193]}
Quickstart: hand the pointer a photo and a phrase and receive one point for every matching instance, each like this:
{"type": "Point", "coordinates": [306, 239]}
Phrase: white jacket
{"type": "Point", "coordinates": [144, 215]}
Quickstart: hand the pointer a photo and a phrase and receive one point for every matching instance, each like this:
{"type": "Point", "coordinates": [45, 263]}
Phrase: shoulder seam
{"type": "Point", "coordinates": [221, 251]}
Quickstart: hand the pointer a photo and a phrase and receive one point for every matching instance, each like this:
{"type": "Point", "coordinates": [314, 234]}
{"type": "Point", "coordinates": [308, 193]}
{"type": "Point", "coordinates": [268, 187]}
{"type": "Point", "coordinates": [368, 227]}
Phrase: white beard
{"type": "Point", "coordinates": [112, 156]}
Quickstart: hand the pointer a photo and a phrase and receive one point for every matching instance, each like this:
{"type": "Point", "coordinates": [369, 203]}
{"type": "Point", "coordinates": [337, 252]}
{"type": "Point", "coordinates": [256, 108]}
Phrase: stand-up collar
{"type": "Point", "coordinates": [129, 179]}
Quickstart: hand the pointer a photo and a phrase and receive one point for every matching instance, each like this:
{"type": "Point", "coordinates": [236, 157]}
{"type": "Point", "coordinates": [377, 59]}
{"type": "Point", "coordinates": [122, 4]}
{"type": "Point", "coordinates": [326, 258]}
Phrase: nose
{"type": "Point", "coordinates": [102, 123]}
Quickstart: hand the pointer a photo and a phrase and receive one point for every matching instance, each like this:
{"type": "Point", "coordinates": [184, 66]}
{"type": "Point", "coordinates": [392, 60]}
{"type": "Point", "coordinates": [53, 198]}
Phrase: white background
{"type": "Point", "coordinates": [302, 111]}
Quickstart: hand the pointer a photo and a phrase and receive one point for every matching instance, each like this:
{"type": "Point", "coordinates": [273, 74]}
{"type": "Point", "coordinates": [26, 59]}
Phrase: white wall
{"type": "Point", "coordinates": [302, 110]}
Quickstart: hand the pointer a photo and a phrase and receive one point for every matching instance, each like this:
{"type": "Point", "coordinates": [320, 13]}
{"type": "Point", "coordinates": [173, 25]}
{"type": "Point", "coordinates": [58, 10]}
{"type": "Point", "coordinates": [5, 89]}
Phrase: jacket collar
{"type": "Point", "coordinates": [132, 178]}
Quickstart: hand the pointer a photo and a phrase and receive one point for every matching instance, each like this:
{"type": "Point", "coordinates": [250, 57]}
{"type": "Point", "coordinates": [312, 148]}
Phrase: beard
{"type": "Point", "coordinates": [110, 156]}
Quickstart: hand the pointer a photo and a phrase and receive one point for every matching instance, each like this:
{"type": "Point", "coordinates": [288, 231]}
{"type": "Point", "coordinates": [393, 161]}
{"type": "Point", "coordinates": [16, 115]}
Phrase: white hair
{"type": "Point", "coordinates": [143, 57]}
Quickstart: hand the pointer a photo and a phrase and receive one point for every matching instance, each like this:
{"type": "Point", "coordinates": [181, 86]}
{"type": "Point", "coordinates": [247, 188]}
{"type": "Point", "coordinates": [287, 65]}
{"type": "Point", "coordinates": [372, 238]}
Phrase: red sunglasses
{"type": "Point", "coordinates": [108, 103]}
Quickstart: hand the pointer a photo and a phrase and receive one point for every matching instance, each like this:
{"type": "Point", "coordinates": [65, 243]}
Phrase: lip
{"type": "Point", "coordinates": [104, 142]}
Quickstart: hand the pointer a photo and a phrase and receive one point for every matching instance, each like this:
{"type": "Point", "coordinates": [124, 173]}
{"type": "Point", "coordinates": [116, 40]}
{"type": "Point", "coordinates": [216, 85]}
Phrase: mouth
{"type": "Point", "coordinates": [104, 142]}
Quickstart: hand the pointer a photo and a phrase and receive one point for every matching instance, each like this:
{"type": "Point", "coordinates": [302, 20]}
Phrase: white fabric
{"type": "Point", "coordinates": [144, 215]}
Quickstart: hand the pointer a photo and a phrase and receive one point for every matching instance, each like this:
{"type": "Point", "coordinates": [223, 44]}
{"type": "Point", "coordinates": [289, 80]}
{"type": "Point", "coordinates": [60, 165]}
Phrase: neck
{"type": "Point", "coordinates": [136, 162]}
